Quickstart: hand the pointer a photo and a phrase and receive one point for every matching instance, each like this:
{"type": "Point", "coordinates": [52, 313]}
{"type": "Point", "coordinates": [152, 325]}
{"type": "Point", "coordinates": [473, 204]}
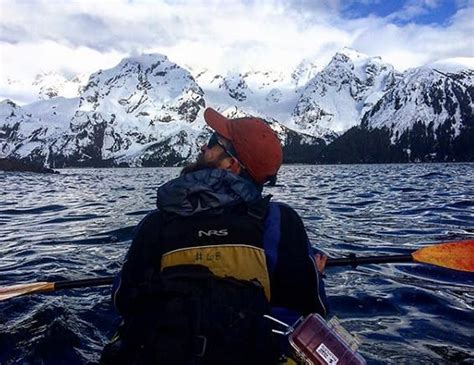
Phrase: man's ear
{"type": "Point", "coordinates": [234, 166]}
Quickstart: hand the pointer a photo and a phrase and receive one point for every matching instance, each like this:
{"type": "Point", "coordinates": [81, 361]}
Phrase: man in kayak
{"type": "Point", "coordinates": [216, 256]}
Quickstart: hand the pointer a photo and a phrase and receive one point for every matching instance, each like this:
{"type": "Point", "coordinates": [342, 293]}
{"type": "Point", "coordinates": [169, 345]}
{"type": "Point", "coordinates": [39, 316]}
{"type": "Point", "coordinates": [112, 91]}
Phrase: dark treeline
{"type": "Point", "coordinates": [7, 164]}
{"type": "Point", "coordinates": [422, 143]}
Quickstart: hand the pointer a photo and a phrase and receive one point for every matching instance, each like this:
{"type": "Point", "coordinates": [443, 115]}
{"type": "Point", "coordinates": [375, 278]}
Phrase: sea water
{"type": "Point", "coordinates": [79, 224]}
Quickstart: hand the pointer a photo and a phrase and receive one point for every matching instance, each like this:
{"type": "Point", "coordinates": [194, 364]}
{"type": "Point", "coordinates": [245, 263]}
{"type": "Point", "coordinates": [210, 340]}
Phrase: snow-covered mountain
{"type": "Point", "coordinates": [427, 115]}
{"type": "Point", "coordinates": [267, 94]}
{"type": "Point", "coordinates": [31, 132]}
{"type": "Point", "coordinates": [319, 103]}
{"type": "Point", "coordinates": [48, 85]}
{"type": "Point", "coordinates": [123, 115]}
{"type": "Point", "coordinates": [304, 72]}
{"type": "Point", "coordinates": [337, 97]}
{"type": "Point", "coordinates": [144, 111]}
{"type": "Point", "coordinates": [135, 106]}
{"type": "Point", "coordinates": [147, 110]}
{"type": "Point", "coordinates": [52, 84]}
{"type": "Point", "coordinates": [432, 94]}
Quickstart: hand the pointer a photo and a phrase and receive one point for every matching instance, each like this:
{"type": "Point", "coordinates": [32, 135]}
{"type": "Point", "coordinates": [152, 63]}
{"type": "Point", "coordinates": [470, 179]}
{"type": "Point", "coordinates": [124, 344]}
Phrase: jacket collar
{"type": "Point", "coordinates": [203, 190]}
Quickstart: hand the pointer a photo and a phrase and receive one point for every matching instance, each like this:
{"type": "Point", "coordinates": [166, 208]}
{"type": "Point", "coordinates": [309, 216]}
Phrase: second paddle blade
{"type": "Point", "coordinates": [453, 255]}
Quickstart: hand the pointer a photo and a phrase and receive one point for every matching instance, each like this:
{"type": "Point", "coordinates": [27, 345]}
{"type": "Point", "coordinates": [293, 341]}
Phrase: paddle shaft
{"type": "Point", "coordinates": [83, 283]}
{"type": "Point", "coordinates": [354, 261]}
{"type": "Point", "coordinates": [346, 261]}
{"type": "Point", "coordinates": [351, 260]}
{"type": "Point", "coordinates": [451, 255]}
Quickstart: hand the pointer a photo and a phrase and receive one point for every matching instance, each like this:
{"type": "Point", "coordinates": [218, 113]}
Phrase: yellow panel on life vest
{"type": "Point", "coordinates": [242, 262]}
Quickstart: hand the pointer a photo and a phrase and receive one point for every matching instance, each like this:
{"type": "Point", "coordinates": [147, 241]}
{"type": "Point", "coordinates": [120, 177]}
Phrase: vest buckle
{"type": "Point", "coordinates": [200, 344]}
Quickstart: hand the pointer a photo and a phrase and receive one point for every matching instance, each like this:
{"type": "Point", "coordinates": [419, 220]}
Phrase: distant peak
{"type": "Point", "coordinates": [8, 102]}
{"type": "Point", "coordinates": [146, 60]}
{"type": "Point", "coordinates": [348, 57]}
{"type": "Point", "coordinates": [352, 54]}
{"type": "Point", "coordinates": [452, 65]}
{"type": "Point", "coordinates": [306, 63]}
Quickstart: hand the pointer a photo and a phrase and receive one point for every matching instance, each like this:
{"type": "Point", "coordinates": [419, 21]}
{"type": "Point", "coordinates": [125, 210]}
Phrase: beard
{"type": "Point", "coordinates": [200, 164]}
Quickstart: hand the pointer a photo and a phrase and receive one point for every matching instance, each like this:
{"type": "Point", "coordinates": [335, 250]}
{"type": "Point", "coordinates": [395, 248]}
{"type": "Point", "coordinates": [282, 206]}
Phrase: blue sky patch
{"type": "Point", "coordinates": [404, 11]}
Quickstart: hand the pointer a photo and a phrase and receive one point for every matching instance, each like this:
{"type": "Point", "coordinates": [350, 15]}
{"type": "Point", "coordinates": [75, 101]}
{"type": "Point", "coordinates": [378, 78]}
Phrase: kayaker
{"type": "Point", "coordinates": [214, 257]}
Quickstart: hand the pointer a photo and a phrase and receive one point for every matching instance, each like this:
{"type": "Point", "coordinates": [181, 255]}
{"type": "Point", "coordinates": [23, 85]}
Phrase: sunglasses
{"type": "Point", "coordinates": [214, 140]}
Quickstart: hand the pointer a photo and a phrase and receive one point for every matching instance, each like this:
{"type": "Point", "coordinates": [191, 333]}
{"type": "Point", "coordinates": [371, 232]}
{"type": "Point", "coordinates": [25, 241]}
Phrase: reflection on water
{"type": "Point", "coordinates": [79, 224]}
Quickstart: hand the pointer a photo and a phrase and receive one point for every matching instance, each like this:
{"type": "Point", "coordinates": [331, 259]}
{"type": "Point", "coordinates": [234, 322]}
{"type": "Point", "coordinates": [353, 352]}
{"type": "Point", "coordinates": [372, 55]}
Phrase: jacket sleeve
{"type": "Point", "coordinates": [296, 283]}
{"type": "Point", "coordinates": [139, 266]}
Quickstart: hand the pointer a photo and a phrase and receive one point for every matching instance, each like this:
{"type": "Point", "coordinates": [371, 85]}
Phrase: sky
{"type": "Point", "coordinates": [82, 36]}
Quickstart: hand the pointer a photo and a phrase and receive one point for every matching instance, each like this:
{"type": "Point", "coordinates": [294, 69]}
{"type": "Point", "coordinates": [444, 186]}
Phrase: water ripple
{"type": "Point", "coordinates": [39, 210]}
{"type": "Point", "coordinates": [80, 223]}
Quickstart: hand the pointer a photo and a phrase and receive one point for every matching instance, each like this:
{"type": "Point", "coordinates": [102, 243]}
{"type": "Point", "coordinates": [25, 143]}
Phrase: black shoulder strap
{"type": "Point", "coordinates": [258, 209]}
{"type": "Point", "coordinates": [152, 247]}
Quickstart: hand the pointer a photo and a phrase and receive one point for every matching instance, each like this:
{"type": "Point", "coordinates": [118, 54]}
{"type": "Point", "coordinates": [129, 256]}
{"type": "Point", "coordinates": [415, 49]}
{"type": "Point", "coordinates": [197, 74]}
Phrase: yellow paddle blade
{"type": "Point", "coordinates": [7, 292]}
{"type": "Point", "coordinates": [454, 255]}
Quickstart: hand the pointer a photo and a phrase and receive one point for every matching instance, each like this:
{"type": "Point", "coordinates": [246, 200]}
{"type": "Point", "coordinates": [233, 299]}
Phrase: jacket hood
{"type": "Point", "coordinates": [203, 190]}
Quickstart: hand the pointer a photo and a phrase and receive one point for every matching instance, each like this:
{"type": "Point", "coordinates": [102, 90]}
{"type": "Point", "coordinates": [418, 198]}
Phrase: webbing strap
{"type": "Point", "coordinates": [271, 237]}
{"type": "Point", "coordinates": [259, 209]}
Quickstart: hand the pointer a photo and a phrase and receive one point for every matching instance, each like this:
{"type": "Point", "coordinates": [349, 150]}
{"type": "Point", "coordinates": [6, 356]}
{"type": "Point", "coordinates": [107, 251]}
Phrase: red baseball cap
{"type": "Point", "coordinates": [258, 147]}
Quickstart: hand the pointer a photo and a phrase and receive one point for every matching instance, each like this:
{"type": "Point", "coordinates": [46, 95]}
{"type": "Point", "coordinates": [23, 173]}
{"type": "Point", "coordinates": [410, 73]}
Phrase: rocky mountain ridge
{"type": "Point", "coordinates": [147, 111]}
{"type": "Point", "coordinates": [427, 115]}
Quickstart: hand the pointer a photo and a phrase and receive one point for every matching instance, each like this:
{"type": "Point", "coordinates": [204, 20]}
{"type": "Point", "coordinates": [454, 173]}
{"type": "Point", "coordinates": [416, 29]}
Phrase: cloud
{"type": "Point", "coordinates": [83, 36]}
{"type": "Point", "coordinates": [414, 8]}
{"type": "Point", "coordinates": [28, 59]}
{"type": "Point", "coordinates": [413, 45]}
{"type": "Point", "coordinates": [115, 25]}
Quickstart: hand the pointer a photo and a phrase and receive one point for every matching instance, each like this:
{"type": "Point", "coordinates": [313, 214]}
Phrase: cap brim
{"type": "Point", "coordinates": [218, 123]}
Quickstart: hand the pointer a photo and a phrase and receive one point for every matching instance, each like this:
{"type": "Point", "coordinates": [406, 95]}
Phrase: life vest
{"type": "Point", "coordinates": [200, 311]}
{"type": "Point", "coordinates": [231, 244]}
